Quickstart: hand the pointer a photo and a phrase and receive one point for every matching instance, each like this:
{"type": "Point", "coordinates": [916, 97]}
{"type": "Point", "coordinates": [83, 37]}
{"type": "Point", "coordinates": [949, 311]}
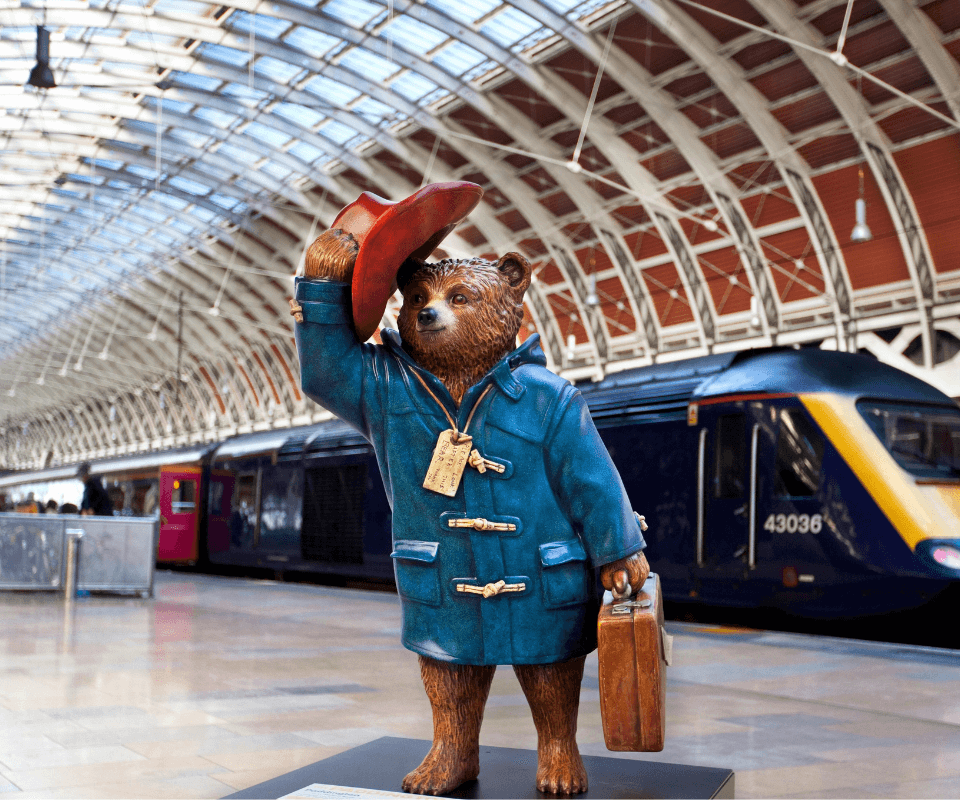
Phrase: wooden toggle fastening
{"type": "Point", "coordinates": [481, 524]}
{"type": "Point", "coordinates": [297, 310]}
{"type": "Point", "coordinates": [481, 464]}
{"type": "Point", "coordinates": [491, 589]}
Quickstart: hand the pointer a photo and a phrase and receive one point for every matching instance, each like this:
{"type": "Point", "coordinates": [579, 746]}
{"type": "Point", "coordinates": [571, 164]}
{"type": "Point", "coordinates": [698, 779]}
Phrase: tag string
{"type": "Point", "coordinates": [458, 434]}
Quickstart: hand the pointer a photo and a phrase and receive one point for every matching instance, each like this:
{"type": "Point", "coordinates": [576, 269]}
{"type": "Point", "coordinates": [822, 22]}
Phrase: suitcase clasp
{"type": "Point", "coordinates": [629, 605]}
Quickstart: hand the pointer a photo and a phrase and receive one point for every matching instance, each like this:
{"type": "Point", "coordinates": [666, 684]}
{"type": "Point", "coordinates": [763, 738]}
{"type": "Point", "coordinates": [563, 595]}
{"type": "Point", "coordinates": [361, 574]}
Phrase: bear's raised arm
{"type": "Point", "coordinates": [332, 369]}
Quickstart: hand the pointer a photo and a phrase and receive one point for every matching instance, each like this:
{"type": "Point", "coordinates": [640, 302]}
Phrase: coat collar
{"type": "Point", "coordinates": [530, 352]}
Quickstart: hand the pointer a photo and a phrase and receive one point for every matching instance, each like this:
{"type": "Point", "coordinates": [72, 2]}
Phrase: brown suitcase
{"type": "Point", "coordinates": [634, 651]}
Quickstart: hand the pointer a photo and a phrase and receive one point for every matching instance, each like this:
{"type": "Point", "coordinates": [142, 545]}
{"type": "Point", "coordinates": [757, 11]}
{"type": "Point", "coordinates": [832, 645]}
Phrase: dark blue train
{"type": "Point", "coordinates": [820, 482]}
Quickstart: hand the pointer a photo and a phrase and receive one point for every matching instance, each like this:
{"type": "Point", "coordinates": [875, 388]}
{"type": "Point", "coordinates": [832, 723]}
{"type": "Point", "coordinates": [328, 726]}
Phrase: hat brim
{"type": "Point", "coordinates": [412, 227]}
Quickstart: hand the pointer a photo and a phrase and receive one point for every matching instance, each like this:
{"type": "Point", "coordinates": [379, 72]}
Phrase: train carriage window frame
{"type": "Point", "coordinates": [799, 459]}
{"type": "Point", "coordinates": [924, 440]}
{"type": "Point", "coordinates": [183, 498]}
{"type": "Point", "coordinates": [730, 456]}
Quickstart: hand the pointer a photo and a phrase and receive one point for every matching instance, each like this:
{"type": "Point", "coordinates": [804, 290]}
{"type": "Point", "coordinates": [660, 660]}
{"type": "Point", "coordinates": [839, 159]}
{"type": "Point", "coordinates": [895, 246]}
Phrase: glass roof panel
{"type": "Point", "coordinates": [246, 95]}
{"type": "Point", "coordinates": [224, 200]}
{"type": "Point", "coordinates": [241, 154]}
{"type": "Point", "coordinates": [180, 7]}
{"type": "Point", "coordinates": [300, 115]}
{"type": "Point", "coordinates": [225, 55]}
{"type": "Point", "coordinates": [168, 104]}
{"type": "Point", "coordinates": [191, 187]}
{"type": "Point", "coordinates": [457, 58]}
{"type": "Point", "coordinates": [375, 112]}
{"type": "Point", "coordinates": [332, 93]}
{"type": "Point", "coordinates": [276, 70]}
{"type": "Point", "coordinates": [354, 12]}
{"type": "Point", "coordinates": [509, 27]}
{"type": "Point", "coordinates": [562, 6]}
{"type": "Point", "coordinates": [412, 86]}
{"type": "Point", "coordinates": [310, 41]}
{"type": "Point", "coordinates": [220, 119]}
{"type": "Point", "coordinates": [150, 40]}
{"type": "Point", "coordinates": [204, 82]}
{"type": "Point", "coordinates": [306, 152]}
{"type": "Point", "coordinates": [262, 25]}
{"type": "Point", "coordinates": [192, 138]}
{"type": "Point", "coordinates": [276, 171]}
{"type": "Point", "coordinates": [413, 34]}
{"type": "Point", "coordinates": [267, 135]}
{"type": "Point", "coordinates": [463, 11]}
{"type": "Point", "coordinates": [204, 214]}
{"type": "Point", "coordinates": [337, 132]}
{"type": "Point", "coordinates": [368, 65]}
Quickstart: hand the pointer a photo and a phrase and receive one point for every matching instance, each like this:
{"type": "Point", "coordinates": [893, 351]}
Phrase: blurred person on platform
{"type": "Point", "coordinates": [95, 500]}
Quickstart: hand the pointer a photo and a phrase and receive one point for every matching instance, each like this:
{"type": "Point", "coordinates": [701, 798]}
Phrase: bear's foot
{"type": "Point", "coordinates": [560, 769]}
{"type": "Point", "coordinates": [443, 770]}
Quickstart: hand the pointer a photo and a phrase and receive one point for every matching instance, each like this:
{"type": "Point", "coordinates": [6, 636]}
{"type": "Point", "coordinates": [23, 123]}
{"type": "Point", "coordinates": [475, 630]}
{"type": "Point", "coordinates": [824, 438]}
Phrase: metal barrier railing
{"type": "Point", "coordinates": [44, 552]}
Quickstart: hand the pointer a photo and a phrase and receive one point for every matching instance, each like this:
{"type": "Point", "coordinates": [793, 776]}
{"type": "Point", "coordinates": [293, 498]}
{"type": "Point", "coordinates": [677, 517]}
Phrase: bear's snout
{"type": "Point", "coordinates": [427, 316]}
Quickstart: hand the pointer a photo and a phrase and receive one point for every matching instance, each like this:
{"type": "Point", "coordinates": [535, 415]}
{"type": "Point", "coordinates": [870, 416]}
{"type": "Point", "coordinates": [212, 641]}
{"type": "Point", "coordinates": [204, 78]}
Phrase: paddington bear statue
{"type": "Point", "coordinates": [504, 498]}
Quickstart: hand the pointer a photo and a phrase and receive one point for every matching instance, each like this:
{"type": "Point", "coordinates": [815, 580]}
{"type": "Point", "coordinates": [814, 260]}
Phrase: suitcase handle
{"type": "Point", "coordinates": [627, 592]}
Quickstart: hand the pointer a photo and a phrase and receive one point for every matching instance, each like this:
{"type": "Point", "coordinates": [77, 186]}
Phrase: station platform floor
{"type": "Point", "coordinates": [218, 684]}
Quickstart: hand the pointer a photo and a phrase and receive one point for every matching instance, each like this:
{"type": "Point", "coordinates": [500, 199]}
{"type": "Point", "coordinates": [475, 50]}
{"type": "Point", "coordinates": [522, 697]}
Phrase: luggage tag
{"type": "Point", "coordinates": [453, 451]}
{"type": "Point", "coordinates": [449, 460]}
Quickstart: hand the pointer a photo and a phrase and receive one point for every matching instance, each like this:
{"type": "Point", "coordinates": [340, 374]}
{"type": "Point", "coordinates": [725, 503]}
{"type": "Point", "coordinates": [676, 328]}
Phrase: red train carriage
{"type": "Point", "coordinates": [169, 484]}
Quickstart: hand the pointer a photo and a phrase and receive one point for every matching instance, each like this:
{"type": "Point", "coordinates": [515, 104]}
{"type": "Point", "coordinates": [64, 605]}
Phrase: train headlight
{"type": "Point", "coordinates": [946, 556]}
{"type": "Point", "coordinates": [941, 557]}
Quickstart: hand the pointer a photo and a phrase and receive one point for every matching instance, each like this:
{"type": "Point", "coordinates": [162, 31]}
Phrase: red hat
{"type": "Point", "coordinates": [389, 233]}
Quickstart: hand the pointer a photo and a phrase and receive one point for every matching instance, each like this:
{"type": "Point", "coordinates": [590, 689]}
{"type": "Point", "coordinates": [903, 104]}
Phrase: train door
{"type": "Point", "coordinates": [789, 513]}
{"type": "Point", "coordinates": [218, 511]}
{"type": "Point", "coordinates": [724, 485]}
{"type": "Point", "coordinates": [179, 514]}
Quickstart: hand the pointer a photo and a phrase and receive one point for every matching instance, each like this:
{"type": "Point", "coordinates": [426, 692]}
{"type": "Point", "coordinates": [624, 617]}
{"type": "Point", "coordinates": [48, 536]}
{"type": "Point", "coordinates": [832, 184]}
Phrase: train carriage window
{"type": "Point", "coordinates": [183, 500]}
{"type": "Point", "coordinates": [243, 511]}
{"type": "Point", "coordinates": [216, 498]}
{"type": "Point", "coordinates": [924, 440]}
{"type": "Point", "coordinates": [799, 455]}
{"type": "Point", "coordinates": [333, 514]}
{"type": "Point", "coordinates": [730, 458]}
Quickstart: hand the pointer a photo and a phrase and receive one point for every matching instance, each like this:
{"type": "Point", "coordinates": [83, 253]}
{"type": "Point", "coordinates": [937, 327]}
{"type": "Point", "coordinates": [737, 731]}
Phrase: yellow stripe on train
{"type": "Point", "coordinates": [916, 511]}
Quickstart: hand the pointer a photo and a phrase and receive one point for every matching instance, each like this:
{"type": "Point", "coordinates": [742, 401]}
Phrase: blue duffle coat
{"type": "Point", "coordinates": [559, 490]}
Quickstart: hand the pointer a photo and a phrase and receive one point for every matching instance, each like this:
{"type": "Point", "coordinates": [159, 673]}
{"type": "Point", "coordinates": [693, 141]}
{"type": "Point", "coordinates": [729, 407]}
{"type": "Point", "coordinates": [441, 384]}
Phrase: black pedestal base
{"type": "Point", "coordinates": [504, 773]}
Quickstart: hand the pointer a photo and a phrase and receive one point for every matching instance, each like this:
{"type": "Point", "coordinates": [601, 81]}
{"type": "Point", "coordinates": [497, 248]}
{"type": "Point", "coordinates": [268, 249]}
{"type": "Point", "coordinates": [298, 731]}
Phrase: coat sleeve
{"type": "Point", "coordinates": [335, 369]}
{"type": "Point", "coordinates": [588, 486]}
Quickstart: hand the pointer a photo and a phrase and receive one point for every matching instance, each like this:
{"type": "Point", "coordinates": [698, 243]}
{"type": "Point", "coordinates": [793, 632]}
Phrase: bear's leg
{"type": "Point", "coordinates": [553, 692]}
{"type": "Point", "coordinates": [458, 694]}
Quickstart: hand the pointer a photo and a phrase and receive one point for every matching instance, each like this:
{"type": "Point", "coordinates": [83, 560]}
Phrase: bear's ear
{"type": "Point", "coordinates": [406, 272]}
{"type": "Point", "coordinates": [517, 271]}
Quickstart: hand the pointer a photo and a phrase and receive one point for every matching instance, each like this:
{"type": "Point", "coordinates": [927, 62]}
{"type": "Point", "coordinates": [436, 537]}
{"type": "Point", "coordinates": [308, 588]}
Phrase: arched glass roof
{"type": "Point", "coordinates": [682, 174]}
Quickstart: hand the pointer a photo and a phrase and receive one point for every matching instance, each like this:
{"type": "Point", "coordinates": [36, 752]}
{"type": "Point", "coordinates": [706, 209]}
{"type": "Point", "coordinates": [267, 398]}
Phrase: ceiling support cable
{"type": "Point", "coordinates": [574, 164]}
{"type": "Point", "coordinates": [821, 52]}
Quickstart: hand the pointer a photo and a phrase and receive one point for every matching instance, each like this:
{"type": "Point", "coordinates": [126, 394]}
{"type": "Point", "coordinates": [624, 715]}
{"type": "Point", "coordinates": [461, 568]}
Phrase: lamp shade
{"type": "Point", "coordinates": [861, 232]}
{"type": "Point", "coordinates": [41, 75]}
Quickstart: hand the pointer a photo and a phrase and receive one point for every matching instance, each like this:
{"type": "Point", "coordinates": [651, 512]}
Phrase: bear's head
{"type": "Point", "coordinates": [460, 317]}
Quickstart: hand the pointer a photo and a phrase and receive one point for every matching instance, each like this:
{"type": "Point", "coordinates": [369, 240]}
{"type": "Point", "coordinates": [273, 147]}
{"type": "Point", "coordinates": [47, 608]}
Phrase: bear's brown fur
{"type": "Point", "coordinates": [458, 319]}
{"type": "Point", "coordinates": [477, 308]}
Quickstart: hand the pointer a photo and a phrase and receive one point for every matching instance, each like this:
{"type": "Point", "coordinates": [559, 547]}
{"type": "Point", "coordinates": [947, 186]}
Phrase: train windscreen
{"type": "Point", "coordinates": [924, 440]}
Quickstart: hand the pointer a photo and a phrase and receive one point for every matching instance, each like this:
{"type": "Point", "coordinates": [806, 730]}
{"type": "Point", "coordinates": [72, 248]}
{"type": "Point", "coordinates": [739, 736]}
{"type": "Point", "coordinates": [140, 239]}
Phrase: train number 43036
{"type": "Point", "coordinates": [794, 523]}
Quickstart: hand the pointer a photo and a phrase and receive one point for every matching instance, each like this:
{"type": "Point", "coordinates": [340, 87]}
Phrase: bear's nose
{"type": "Point", "coordinates": [427, 316]}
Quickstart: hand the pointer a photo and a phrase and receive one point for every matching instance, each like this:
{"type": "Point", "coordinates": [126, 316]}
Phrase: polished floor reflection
{"type": "Point", "coordinates": [218, 684]}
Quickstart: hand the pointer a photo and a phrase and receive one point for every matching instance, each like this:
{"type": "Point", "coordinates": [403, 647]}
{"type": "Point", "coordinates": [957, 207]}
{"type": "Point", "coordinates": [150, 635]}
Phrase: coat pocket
{"type": "Point", "coordinates": [417, 576]}
{"type": "Point", "coordinates": [565, 575]}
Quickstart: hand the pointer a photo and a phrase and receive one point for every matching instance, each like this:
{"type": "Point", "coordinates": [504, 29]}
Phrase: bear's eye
{"type": "Point", "coordinates": [417, 299]}
{"type": "Point", "coordinates": [459, 300]}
